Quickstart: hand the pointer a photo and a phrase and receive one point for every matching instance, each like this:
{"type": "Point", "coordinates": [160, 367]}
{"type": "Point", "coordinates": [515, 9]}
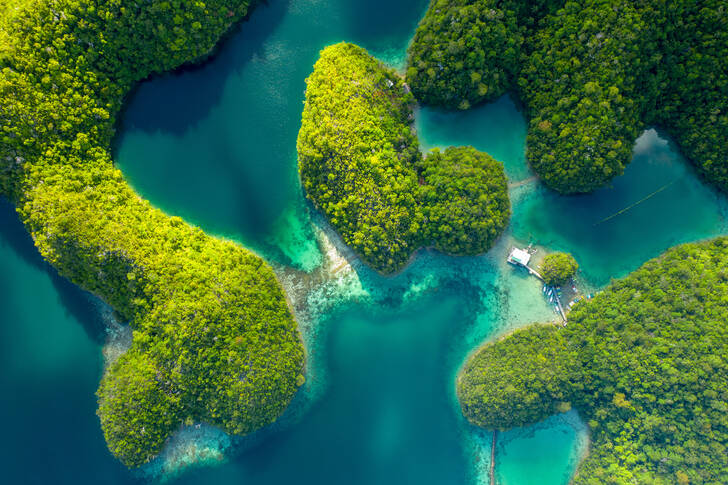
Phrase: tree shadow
{"type": "Point", "coordinates": [149, 105]}
{"type": "Point", "coordinates": [80, 304]}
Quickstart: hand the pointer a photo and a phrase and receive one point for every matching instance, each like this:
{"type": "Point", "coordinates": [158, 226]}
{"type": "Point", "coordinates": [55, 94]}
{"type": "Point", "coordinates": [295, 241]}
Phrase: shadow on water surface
{"type": "Point", "coordinates": [366, 22]}
{"type": "Point", "coordinates": [250, 209]}
{"type": "Point", "coordinates": [78, 303]}
{"type": "Point", "coordinates": [170, 93]}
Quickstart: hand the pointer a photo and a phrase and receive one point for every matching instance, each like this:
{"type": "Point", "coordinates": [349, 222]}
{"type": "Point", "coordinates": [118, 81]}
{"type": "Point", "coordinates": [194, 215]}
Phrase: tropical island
{"type": "Point", "coordinates": [360, 164]}
{"type": "Point", "coordinates": [645, 363]}
{"type": "Point", "coordinates": [214, 340]}
{"type": "Point", "coordinates": [558, 268]}
{"type": "Point", "coordinates": [592, 76]}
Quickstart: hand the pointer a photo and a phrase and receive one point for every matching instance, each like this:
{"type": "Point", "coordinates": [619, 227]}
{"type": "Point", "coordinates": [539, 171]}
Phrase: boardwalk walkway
{"type": "Point", "coordinates": [521, 257]}
{"type": "Point", "coordinates": [534, 272]}
{"type": "Point", "coordinates": [561, 309]}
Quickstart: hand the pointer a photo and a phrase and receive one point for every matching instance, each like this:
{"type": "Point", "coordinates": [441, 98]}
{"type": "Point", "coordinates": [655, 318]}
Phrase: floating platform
{"type": "Point", "coordinates": [521, 257]}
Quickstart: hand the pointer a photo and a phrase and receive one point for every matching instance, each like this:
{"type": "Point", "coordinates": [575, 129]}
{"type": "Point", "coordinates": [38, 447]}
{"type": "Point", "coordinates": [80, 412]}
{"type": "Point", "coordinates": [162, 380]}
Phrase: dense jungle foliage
{"type": "Point", "coordinates": [558, 268]}
{"type": "Point", "coordinates": [645, 363]}
{"type": "Point", "coordinates": [360, 164]}
{"type": "Point", "coordinates": [464, 199]}
{"type": "Point", "coordinates": [592, 75]}
{"type": "Point", "coordinates": [214, 339]}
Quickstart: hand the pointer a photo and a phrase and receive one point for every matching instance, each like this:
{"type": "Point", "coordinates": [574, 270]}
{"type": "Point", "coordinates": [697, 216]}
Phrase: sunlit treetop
{"type": "Point", "coordinates": [592, 75]}
{"type": "Point", "coordinates": [214, 339]}
{"type": "Point", "coordinates": [360, 164]}
{"type": "Point", "coordinates": [645, 363]}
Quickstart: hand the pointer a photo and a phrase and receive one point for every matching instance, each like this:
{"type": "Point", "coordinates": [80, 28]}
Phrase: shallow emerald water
{"type": "Point", "coordinates": [517, 464]}
{"type": "Point", "coordinates": [216, 145]}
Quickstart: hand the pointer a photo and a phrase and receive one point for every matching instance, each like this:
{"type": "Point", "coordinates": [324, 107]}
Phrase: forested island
{"type": "Point", "coordinates": [591, 74]}
{"type": "Point", "coordinates": [645, 363]}
{"type": "Point", "coordinates": [214, 340]}
{"type": "Point", "coordinates": [360, 164]}
{"type": "Point", "coordinates": [558, 268]}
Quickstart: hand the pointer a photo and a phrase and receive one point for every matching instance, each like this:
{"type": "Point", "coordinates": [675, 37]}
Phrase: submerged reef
{"type": "Point", "coordinates": [645, 363]}
{"type": "Point", "coordinates": [213, 338]}
{"type": "Point", "coordinates": [360, 165]}
{"type": "Point", "coordinates": [592, 76]}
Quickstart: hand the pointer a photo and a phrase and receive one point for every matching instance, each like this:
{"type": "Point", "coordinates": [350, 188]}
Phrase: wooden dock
{"type": "Point", "coordinates": [516, 262]}
{"type": "Point", "coordinates": [521, 257]}
{"type": "Point", "coordinates": [534, 272]}
{"type": "Point", "coordinates": [561, 309]}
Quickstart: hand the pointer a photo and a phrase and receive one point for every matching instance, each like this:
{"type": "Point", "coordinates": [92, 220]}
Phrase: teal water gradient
{"type": "Point", "coordinates": [216, 145]}
{"type": "Point", "coordinates": [50, 366]}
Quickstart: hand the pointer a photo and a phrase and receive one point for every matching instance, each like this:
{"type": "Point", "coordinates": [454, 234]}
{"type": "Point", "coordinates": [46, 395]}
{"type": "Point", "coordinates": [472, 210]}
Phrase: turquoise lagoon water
{"type": "Point", "coordinates": [216, 145]}
{"type": "Point", "coordinates": [50, 364]}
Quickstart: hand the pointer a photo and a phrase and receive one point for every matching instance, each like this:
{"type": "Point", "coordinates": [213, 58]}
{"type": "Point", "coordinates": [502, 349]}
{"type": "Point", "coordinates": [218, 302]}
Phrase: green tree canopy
{"type": "Point", "coordinates": [645, 363]}
{"type": "Point", "coordinates": [214, 339]}
{"type": "Point", "coordinates": [360, 164]}
{"type": "Point", "coordinates": [592, 75]}
{"type": "Point", "coordinates": [558, 268]}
